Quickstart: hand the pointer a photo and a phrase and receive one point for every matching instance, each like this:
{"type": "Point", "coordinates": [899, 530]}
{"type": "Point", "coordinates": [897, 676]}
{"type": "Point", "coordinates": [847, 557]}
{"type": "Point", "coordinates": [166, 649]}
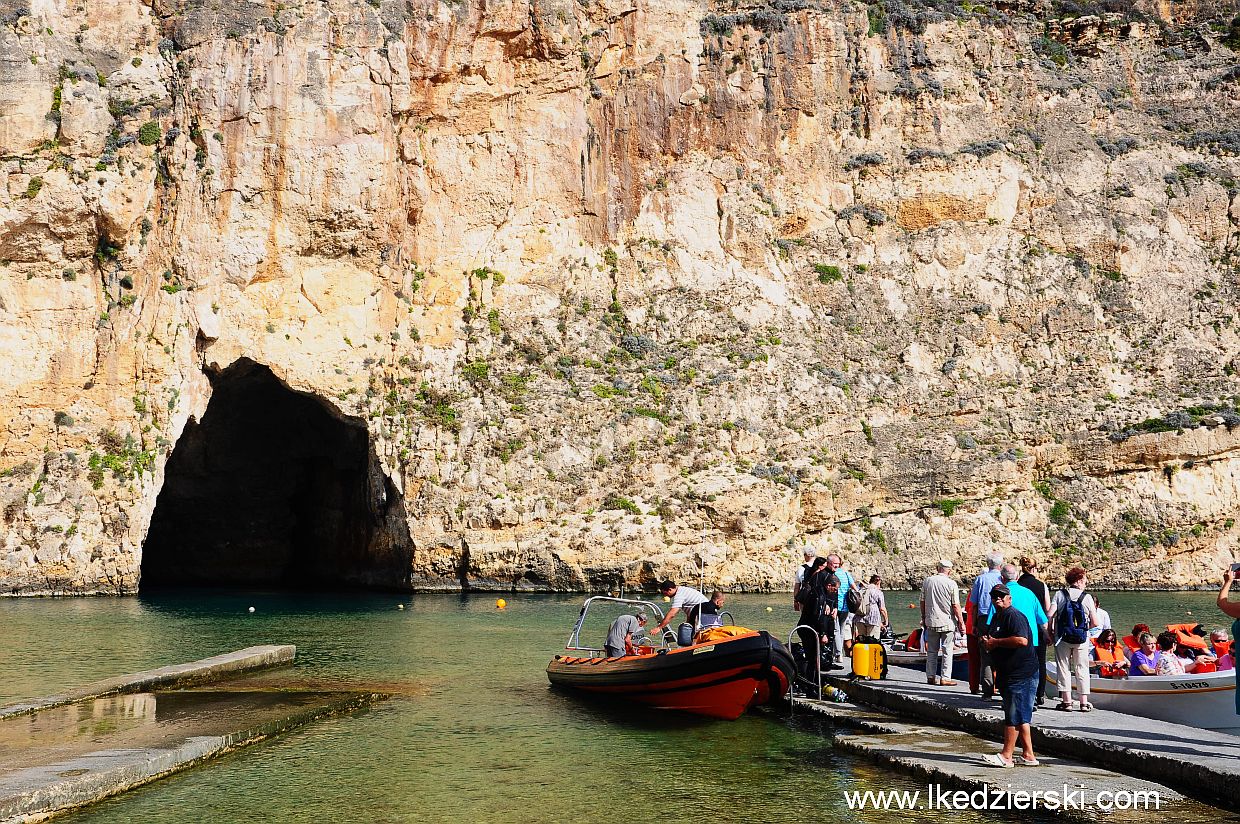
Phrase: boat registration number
{"type": "Point", "coordinates": [710, 648]}
{"type": "Point", "coordinates": [1189, 685]}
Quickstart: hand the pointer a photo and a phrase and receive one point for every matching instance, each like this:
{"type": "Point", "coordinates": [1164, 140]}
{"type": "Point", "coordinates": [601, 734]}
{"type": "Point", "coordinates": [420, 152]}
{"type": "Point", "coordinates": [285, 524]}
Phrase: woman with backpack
{"type": "Point", "coordinates": [1072, 615]}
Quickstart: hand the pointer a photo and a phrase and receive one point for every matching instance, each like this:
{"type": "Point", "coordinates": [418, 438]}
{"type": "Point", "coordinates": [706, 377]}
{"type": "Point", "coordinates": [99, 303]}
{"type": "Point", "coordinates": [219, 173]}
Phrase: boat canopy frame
{"type": "Point", "coordinates": [574, 639]}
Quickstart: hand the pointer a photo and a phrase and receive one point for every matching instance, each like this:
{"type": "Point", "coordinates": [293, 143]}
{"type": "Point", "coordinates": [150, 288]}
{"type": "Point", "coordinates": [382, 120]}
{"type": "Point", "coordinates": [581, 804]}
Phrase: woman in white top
{"type": "Point", "coordinates": [1104, 617]}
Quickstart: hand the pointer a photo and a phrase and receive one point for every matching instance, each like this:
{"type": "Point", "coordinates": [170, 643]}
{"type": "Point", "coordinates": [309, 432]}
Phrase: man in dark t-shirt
{"type": "Point", "coordinates": [1009, 640]}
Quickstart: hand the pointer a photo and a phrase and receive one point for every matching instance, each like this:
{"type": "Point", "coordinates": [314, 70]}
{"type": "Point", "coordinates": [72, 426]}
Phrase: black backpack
{"type": "Point", "coordinates": [853, 598]}
{"type": "Point", "coordinates": [809, 593]}
{"type": "Point", "coordinates": [814, 594]}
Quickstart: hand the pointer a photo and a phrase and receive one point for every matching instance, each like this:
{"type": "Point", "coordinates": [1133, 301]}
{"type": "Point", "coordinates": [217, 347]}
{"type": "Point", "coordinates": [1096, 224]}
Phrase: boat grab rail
{"type": "Point", "coordinates": [574, 639]}
{"type": "Point", "coordinates": [792, 702]}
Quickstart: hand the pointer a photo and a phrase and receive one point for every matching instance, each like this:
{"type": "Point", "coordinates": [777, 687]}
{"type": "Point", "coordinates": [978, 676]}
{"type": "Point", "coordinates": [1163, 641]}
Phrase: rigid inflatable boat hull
{"type": "Point", "coordinates": [720, 679]}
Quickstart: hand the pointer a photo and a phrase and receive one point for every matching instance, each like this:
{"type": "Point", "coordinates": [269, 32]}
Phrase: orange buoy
{"type": "Point", "coordinates": [501, 603]}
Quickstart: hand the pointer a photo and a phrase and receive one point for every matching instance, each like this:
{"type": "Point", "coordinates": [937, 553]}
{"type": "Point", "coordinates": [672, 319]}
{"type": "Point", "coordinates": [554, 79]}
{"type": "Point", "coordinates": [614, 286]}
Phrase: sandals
{"type": "Point", "coordinates": [1064, 705]}
{"type": "Point", "coordinates": [948, 683]}
{"type": "Point", "coordinates": [993, 759]}
{"type": "Point", "coordinates": [1086, 706]}
{"type": "Point", "coordinates": [1027, 762]}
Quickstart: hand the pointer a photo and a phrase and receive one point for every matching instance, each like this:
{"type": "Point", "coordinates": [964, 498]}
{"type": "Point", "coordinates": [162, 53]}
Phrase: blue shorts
{"type": "Point", "coordinates": [1018, 697]}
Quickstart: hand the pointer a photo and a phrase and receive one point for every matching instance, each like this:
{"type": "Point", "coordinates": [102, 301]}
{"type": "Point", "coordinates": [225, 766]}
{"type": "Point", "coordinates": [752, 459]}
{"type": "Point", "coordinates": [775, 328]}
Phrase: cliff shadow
{"type": "Point", "coordinates": [275, 488]}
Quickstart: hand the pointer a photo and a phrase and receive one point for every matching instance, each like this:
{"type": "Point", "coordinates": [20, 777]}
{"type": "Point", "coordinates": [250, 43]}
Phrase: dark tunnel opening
{"type": "Point", "coordinates": [273, 488]}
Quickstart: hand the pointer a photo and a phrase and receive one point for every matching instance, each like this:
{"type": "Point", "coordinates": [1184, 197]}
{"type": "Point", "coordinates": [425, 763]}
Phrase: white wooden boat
{"type": "Point", "coordinates": [916, 659]}
{"type": "Point", "coordinates": [1207, 701]}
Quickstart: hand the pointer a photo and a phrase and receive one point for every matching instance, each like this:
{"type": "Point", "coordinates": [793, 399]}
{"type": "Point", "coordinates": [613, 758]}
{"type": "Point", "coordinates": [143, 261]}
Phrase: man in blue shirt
{"type": "Point", "coordinates": [843, 620]}
{"type": "Point", "coordinates": [980, 598]}
{"type": "Point", "coordinates": [1023, 601]}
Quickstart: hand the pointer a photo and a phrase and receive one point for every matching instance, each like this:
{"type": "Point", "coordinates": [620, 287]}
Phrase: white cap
{"type": "Point", "coordinates": [946, 564]}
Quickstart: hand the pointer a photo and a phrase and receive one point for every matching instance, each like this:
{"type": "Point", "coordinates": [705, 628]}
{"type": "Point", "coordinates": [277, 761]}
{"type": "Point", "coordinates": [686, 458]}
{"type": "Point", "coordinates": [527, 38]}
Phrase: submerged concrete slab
{"type": "Point", "coordinates": [1199, 763]}
{"type": "Point", "coordinates": [950, 761]}
{"type": "Point", "coordinates": [175, 675]}
{"type": "Point", "coordinates": [68, 756]}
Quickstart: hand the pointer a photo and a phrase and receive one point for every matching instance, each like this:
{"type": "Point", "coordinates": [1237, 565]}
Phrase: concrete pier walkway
{"type": "Point", "coordinates": [59, 753]}
{"type": "Point", "coordinates": [1202, 764]}
{"type": "Point", "coordinates": [176, 675]}
{"type": "Point", "coordinates": [950, 761]}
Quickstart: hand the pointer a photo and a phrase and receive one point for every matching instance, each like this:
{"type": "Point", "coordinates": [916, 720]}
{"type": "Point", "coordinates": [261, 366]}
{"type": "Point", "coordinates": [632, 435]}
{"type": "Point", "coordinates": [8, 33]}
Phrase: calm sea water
{"type": "Point", "coordinates": [475, 734]}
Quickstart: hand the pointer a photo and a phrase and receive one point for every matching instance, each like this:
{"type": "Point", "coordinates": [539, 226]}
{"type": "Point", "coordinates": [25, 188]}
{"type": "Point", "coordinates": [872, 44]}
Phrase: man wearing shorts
{"type": "Point", "coordinates": [1009, 640]}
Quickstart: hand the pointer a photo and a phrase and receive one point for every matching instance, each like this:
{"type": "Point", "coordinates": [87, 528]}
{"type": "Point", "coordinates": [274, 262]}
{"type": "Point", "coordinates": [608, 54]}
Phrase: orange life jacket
{"type": "Point", "coordinates": [1132, 643]}
{"type": "Point", "coordinates": [1184, 636]}
{"type": "Point", "coordinates": [1222, 648]}
{"type": "Point", "coordinates": [1110, 660]}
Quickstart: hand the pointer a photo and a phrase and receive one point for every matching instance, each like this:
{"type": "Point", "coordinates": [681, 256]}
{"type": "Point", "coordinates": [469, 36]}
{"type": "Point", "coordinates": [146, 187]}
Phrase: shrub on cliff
{"type": "Point", "coordinates": [1217, 142]}
{"type": "Point", "coordinates": [148, 133]}
{"type": "Point", "coordinates": [983, 148]}
{"type": "Point", "coordinates": [615, 502]}
{"type": "Point", "coordinates": [828, 273]}
{"type": "Point", "coordinates": [1118, 147]}
{"type": "Point", "coordinates": [861, 161]}
{"type": "Point", "coordinates": [874, 217]}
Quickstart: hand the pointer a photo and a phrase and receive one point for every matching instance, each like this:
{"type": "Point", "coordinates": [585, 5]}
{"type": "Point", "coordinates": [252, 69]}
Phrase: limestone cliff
{"type": "Point", "coordinates": [618, 289]}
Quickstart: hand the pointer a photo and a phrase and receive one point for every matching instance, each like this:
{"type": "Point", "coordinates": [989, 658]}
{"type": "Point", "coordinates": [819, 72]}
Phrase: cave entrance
{"type": "Point", "coordinates": [274, 488]}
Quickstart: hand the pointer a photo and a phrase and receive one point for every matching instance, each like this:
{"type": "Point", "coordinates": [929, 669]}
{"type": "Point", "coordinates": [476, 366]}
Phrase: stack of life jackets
{"type": "Point", "coordinates": [1186, 635]}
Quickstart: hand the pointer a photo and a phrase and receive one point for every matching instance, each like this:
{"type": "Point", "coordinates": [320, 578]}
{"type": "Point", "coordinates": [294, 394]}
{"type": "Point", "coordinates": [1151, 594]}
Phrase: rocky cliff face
{"type": "Point", "coordinates": [620, 289]}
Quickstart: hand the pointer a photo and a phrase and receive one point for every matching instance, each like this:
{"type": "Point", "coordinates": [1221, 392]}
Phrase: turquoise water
{"type": "Point", "coordinates": [474, 734]}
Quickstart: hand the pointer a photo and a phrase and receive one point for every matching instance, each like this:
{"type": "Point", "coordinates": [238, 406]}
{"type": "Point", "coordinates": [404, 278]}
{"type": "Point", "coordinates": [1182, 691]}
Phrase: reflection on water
{"type": "Point", "coordinates": [90, 720]}
{"type": "Point", "coordinates": [476, 735]}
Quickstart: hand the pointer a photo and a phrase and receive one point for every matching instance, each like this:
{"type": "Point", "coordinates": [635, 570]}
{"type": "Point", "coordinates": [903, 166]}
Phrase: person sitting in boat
{"type": "Point", "coordinates": [1133, 642]}
{"type": "Point", "coordinates": [915, 642]}
{"type": "Point", "coordinates": [1144, 659]}
{"type": "Point", "coordinates": [683, 597]}
{"type": "Point", "coordinates": [1221, 647]}
{"type": "Point", "coordinates": [1196, 660]}
{"type": "Point", "coordinates": [1108, 657]}
{"type": "Point", "coordinates": [708, 613]}
{"type": "Point", "coordinates": [1168, 662]}
{"type": "Point", "coordinates": [620, 635]}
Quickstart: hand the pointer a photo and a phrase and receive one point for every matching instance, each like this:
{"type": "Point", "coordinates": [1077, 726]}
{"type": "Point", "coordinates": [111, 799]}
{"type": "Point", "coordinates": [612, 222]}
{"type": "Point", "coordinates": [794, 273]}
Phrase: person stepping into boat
{"type": "Point", "coordinates": [683, 597]}
{"type": "Point", "coordinates": [941, 617]}
{"type": "Point", "coordinates": [1072, 616]}
{"type": "Point", "coordinates": [1009, 641]}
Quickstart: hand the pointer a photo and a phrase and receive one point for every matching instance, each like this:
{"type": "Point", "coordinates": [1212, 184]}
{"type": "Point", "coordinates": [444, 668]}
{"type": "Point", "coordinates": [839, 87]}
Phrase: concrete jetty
{"type": "Point", "coordinates": [60, 753]}
{"type": "Point", "coordinates": [176, 675]}
{"type": "Point", "coordinates": [949, 761]}
{"type": "Point", "coordinates": [1197, 763]}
